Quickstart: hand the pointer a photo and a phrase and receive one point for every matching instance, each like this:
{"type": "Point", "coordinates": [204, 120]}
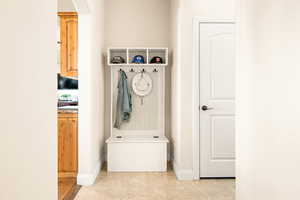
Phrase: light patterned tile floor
{"type": "Point", "coordinates": [155, 186]}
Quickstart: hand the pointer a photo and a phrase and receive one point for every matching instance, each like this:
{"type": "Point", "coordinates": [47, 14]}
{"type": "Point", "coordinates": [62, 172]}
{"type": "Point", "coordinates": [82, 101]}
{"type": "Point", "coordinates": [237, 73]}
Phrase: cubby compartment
{"type": "Point", "coordinates": [117, 52]}
{"type": "Point", "coordinates": [162, 53]}
{"type": "Point", "coordinates": [137, 52]}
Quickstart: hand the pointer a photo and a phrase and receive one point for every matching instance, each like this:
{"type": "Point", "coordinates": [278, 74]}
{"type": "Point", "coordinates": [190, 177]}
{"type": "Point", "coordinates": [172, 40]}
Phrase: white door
{"type": "Point", "coordinates": [217, 99]}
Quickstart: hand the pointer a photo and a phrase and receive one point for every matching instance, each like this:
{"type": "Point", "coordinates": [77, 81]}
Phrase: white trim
{"type": "Point", "coordinates": [182, 175]}
{"type": "Point", "coordinates": [197, 19]}
{"type": "Point", "coordinates": [89, 178]}
{"type": "Point", "coordinates": [196, 101]}
{"type": "Point", "coordinates": [196, 90]}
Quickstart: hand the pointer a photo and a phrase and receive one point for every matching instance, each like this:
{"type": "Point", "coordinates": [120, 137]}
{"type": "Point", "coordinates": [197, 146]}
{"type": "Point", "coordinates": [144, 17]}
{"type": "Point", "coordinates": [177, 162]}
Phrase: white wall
{"type": "Point", "coordinates": [175, 82]}
{"type": "Point", "coordinates": [137, 23]}
{"type": "Point", "coordinates": [245, 100]}
{"type": "Point", "coordinates": [182, 72]}
{"type": "Point", "coordinates": [270, 53]}
{"type": "Point", "coordinates": [28, 138]}
{"type": "Point", "coordinates": [91, 90]}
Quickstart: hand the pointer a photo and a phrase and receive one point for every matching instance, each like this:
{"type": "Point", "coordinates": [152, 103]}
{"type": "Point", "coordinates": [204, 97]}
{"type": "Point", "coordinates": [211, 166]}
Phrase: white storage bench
{"type": "Point", "coordinates": [137, 154]}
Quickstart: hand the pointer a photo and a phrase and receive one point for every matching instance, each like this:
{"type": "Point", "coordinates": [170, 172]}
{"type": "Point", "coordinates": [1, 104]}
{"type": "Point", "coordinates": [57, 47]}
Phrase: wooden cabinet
{"type": "Point", "coordinates": [69, 43]}
{"type": "Point", "coordinates": [67, 144]}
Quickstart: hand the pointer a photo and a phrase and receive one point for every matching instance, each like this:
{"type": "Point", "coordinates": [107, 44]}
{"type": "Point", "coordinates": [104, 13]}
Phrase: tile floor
{"type": "Point", "coordinates": [155, 186]}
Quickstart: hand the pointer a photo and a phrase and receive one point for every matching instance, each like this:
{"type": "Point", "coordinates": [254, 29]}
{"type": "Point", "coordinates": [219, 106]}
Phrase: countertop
{"type": "Point", "coordinates": [68, 109]}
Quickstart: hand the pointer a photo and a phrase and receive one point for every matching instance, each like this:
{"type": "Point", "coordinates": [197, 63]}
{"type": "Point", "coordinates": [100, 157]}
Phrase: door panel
{"type": "Point", "coordinates": [67, 145]}
{"type": "Point", "coordinates": [69, 42]}
{"type": "Point", "coordinates": [222, 132]}
{"type": "Point", "coordinates": [217, 92]}
{"type": "Point", "coordinates": [222, 68]}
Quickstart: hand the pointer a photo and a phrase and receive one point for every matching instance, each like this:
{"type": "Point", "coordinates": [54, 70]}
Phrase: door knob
{"type": "Point", "coordinates": [205, 108]}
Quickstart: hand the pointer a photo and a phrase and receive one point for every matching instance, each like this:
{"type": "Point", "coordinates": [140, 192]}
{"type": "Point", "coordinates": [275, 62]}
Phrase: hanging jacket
{"type": "Point", "coordinates": [124, 104]}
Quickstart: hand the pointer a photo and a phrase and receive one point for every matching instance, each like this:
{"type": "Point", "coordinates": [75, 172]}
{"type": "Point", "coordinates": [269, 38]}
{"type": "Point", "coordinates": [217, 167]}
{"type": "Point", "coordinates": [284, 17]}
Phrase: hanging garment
{"type": "Point", "coordinates": [124, 104]}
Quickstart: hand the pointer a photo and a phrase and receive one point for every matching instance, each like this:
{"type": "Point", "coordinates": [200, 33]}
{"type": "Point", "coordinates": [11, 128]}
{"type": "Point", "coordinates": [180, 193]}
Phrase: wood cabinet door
{"type": "Point", "coordinates": [69, 43]}
{"type": "Point", "coordinates": [67, 145]}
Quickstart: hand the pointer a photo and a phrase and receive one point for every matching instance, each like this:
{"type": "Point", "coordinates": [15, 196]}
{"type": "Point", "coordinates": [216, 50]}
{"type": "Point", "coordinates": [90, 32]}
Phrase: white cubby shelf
{"type": "Point", "coordinates": [128, 53]}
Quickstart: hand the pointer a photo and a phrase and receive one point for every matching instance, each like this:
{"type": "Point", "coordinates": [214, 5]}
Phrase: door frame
{"type": "Point", "coordinates": [196, 90]}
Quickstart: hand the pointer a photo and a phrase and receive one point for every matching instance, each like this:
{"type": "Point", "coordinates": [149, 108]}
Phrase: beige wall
{"type": "Point", "coordinates": [268, 153]}
{"type": "Point", "coordinates": [28, 138]}
{"type": "Point", "coordinates": [91, 90]}
{"type": "Point", "coordinates": [66, 6]}
{"type": "Point", "coordinates": [137, 23]}
{"type": "Point", "coordinates": [182, 71]}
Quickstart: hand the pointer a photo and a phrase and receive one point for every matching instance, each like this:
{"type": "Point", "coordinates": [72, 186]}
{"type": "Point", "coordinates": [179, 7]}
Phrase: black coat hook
{"type": "Point", "coordinates": [155, 70]}
{"type": "Point", "coordinates": [143, 70]}
{"type": "Point", "coordinates": [131, 70]}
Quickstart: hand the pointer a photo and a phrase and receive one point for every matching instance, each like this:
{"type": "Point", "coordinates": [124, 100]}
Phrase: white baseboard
{"type": "Point", "coordinates": [183, 174]}
{"type": "Point", "coordinates": [89, 178]}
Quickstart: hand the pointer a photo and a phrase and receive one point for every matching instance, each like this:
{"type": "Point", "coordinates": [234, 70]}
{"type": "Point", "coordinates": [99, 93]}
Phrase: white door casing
{"type": "Point", "coordinates": [217, 92]}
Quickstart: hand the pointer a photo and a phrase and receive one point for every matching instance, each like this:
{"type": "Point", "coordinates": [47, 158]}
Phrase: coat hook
{"type": "Point", "coordinates": [143, 70]}
{"type": "Point", "coordinates": [155, 70]}
{"type": "Point", "coordinates": [131, 70]}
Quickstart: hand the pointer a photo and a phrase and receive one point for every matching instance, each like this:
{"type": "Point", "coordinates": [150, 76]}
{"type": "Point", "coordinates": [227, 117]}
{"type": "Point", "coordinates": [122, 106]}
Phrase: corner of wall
{"type": "Point", "coordinates": [88, 179]}
{"type": "Point", "coordinates": [182, 174]}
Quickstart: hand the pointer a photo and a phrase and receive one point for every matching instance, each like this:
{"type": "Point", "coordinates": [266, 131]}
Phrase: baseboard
{"type": "Point", "coordinates": [182, 174]}
{"type": "Point", "coordinates": [89, 179]}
